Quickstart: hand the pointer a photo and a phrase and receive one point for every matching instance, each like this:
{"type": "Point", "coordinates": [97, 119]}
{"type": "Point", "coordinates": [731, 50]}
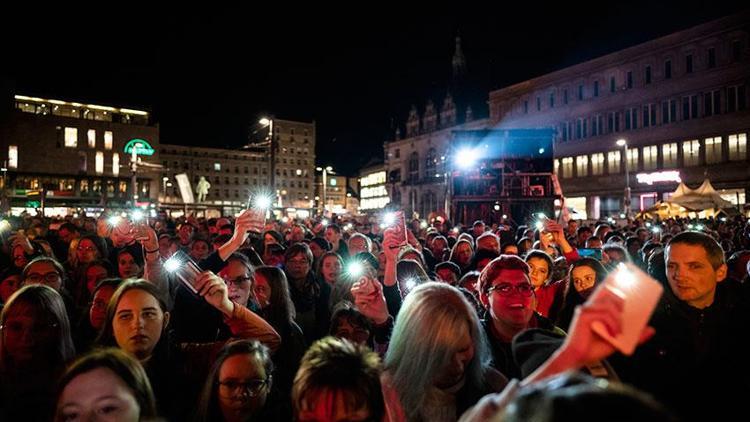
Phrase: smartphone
{"type": "Point", "coordinates": [590, 253]}
{"type": "Point", "coordinates": [640, 294]}
{"type": "Point", "coordinates": [400, 225]}
{"type": "Point", "coordinates": [184, 268]}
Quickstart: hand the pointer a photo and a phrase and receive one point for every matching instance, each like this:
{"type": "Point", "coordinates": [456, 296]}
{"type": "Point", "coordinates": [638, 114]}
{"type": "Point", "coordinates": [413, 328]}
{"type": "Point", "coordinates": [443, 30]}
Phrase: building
{"type": "Point", "coordinates": [233, 175]}
{"type": "Point", "coordinates": [291, 162]}
{"type": "Point", "coordinates": [373, 193]}
{"type": "Point", "coordinates": [65, 155]}
{"type": "Point", "coordinates": [679, 102]}
{"type": "Point", "coordinates": [416, 164]}
{"type": "Point", "coordinates": [340, 198]}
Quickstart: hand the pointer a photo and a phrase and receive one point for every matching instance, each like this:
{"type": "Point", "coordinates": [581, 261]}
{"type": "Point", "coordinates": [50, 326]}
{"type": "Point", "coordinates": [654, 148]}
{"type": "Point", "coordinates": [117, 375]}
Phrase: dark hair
{"type": "Point", "coordinates": [503, 262]}
{"type": "Point", "coordinates": [208, 405]}
{"type": "Point", "coordinates": [106, 335]}
{"type": "Point", "coordinates": [299, 249]}
{"type": "Point", "coordinates": [574, 396]}
{"type": "Point", "coordinates": [46, 302]}
{"type": "Point", "coordinates": [713, 250]}
{"type": "Point", "coordinates": [342, 368]}
{"type": "Point", "coordinates": [480, 255]}
{"type": "Point", "coordinates": [334, 227]}
{"type": "Point", "coordinates": [125, 367]}
{"type": "Point", "coordinates": [107, 282]}
{"type": "Point", "coordinates": [571, 296]}
{"type": "Point", "coordinates": [280, 311]}
{"type": "Point", "coordinates": [137, 258]}
{"type": "Point", "coordinates": [59, 269]}
{"type": "Point", "coordinates": [449, 266]}
{"type": "Point", "coordinates": [99, 244]}
{"type": "Point", "coordinates": [346, 311]}
{"type": "Point", "coordinates": [468, 277]}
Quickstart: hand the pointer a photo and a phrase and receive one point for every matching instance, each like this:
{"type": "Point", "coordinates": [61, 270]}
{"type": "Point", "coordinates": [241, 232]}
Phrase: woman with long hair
{"type": "Point", "coordinates": [584, 275]}
{"type": "Point", "coordinates": [238, 385]}
{"type": "Point", "coordinates": [35, 346]}
{"type": "Point", "coordinates": [461, 255]}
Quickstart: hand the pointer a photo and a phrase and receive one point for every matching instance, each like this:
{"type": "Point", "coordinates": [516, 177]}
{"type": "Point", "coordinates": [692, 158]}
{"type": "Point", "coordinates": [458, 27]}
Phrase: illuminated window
{"type": "Point", "coordinates": [690, 153]}
{"type": "Point", "coordinates": [669, 155]}
{"type": "Point", "coordinates": [633, 159]}
{"type": "Point", "coordinates": [13, 156]}
{"type": "Point", "coordinates": [567, 164]}
{"type": "Point", "coordinates": [116, 164]}
{"type": "Point", "coordinates": [107, 140]}
{"type": "Point", "coordinates": [650, 155]}
{"type": "Point", "coordinates": [737, 147]}
{"type": "Point", "coordinates": [613, 162]}
{"type": "Point", "coordinates": [713, 150]}
{"type": "Point", "coordinates": [333, 182]}
{"type": "Point", "coordinates": [91, 134]}
{"type": "Point", "coordinates": [217, 166]}
{"type": "Point", "coordinates": [71, 137]}
{"type": "Point", "coordinates": [597, 164]}
{"type": "Point", "coordinates": [99, 162]}
{"type": "Point", "coordinates": [582, 165]}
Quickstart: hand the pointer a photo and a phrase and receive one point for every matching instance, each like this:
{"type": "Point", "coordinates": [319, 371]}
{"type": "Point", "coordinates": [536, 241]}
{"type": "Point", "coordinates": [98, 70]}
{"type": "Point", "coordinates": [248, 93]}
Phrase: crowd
{"type": "Point", "coordinates": [335, 320]}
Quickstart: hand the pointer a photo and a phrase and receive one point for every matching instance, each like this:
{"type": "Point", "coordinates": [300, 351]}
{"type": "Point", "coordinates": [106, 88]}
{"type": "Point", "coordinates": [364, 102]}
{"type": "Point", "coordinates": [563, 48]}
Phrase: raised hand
{"type": "Point", "coordinates": [369, 298]}
{"type": "Point", "coordinates": [214, 290]}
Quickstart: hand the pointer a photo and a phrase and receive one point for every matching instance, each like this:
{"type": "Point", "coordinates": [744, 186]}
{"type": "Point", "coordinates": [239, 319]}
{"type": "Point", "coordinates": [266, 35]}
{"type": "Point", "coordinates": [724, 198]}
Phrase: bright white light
{"type": "Point", "coordinates": [172, 264]}
{"type": "Point", "coordinates": [621, 142]}
{"type": "Point", "coordinates": [497, 207]}
{"type": "Point", "coordinates": [137, 215]}
{"type": "Point", "coordinates": [541, 150]}
{"type": "Point", "coordinates": [285, 219]}
{"type": "Point", "coordinates": [114, 220]}
{"type": "Point", "coordinates": [349, 226]}
{"type": "Point", "coordinates": [355, 269]}
{"type": "Point", "coordinates": [539, 225]}
{"type": "Point", "coordinates": [541, 215]}
{"type": "Point", "coordinates": [505, 216]}
{"type": "Point", "coordinates": [265, 121]}
{"type": "Point", "coordinates": [423, 224]}
{"type": "Point", "coordinates": [648, 224]}
{"type": "Point", "coordinates": [624, 276]}
{"type": "Point", "coordinates": [723, 219]}
{"type": "Point", "coordinates": [4, 225]}
{"type": "Point", "coordinates": [410, 283]}
{"type": "Point", "coordinates": [324, 222]}
{"type": "Point", "coordinates": [690, 227]}
{"type": "Point", "coordinates": [389, 218]}
{"type": "Point", "coordinates": [262, 202]}
{"type": "Point", "coordinates": [656, 229]}
{"type": "Point", "coordinates": [622, 215]}
{"type": "Point", "coordinates": [699, 227]}
{"type": "Point", "coordinates": [466, 158]}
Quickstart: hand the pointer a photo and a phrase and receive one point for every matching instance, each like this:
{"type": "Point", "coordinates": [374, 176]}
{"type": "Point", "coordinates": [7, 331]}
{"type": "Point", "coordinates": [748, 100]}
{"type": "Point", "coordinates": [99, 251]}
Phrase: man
{"type": "Point", "coordinates": [333, 236]}
{"type": "Point", "coordinates": [572, 228]}
{"type": "Point", "coordinates": [507, 294]}
{"type": "Point", "coordinates": [699, 353]}
{"type": "Point", "coordinates": [594, 242]}
{"type": "Point", "coordinates": [489, 241]}
{"type": "Point", "coordinates": [583, 233]}
{"type": "Point", "coordinates": [478, 228]}
{"type": "Point", "coordinates": [310, 296]}
{"type": "Point", "coordinates": [447, 272]}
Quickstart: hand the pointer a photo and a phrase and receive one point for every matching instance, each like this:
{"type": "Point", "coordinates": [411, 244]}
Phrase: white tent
{"type": "Point", "coordinates": [702, 198]}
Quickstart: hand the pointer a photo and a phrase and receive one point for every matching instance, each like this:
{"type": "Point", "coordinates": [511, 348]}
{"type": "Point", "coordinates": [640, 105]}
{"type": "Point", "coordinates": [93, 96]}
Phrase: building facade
{"type": "Point", "coordinates": [679, 102]}
{"type": "Point", "coordinates": [294, 162]}
{"type": "Point", "coordinates": [66, 155]}
{"type": "Point", "coordinates": [373, 191]}
{"type": "Point", "coordinates": [233, 175]}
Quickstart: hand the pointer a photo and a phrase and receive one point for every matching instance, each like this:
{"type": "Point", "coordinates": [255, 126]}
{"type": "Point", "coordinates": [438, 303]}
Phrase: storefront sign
{"type": "Point", "coordinates": [659, 177]}
{"type": "Point", "coordinates": [141, 147]}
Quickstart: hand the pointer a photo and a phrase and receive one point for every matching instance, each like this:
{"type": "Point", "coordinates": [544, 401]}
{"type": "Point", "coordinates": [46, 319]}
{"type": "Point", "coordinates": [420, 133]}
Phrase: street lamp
{"type": "Point", "coordinates": [267, 122]}
{"type": "Point", "coordinates": [325, 171]}
{"type": "Point", "coordinates": [623, 143]}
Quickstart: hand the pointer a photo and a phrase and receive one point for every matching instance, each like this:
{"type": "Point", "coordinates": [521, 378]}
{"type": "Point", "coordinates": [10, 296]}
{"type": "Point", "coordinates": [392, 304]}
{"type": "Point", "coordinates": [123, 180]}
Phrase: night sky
{"type": "Point", "coordinates": [207, 75]}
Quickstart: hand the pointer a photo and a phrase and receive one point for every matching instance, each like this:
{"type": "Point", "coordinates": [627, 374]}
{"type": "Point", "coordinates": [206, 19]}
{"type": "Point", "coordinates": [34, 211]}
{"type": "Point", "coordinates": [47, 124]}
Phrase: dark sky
{"type": "Point", "coordinates": [207, 74]}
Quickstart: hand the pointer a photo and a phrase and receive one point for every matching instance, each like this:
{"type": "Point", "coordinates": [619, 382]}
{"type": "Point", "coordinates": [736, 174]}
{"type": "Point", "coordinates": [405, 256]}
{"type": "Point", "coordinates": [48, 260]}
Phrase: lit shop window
{"type": "Point", "coordinates": [71, 137]}
{"type": "Point", "coordinates": [91, 134]}
{"type": "Point", "coordinates": [13, 156]}
{"type": "Point", "coordinates": [108, 140]}
{"type": "Point", "coordinates": [99, 162]}
{"type": "Point", "coordinates": [116, 164]}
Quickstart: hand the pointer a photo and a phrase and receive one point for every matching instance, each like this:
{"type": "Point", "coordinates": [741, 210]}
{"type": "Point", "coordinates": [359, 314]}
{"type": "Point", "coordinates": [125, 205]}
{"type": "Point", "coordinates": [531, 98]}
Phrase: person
{"type": "Point", "coordinates": [461, 255]}
{"type": "Point", "coordinates": [584, 275]}
{"type": "Point", "coordinates": [95, 272]}
{"type": "Point", "coordinates": [481, 258]}
{"type": "Point", "coordinates": [478, 228]}
{"type": "Point", "coordinates": [409, 274]}
{"type": "Point", "coordinates": [329, 268]}
{"type": "Point", "coordinates": [129, 265]}
{"type": "Point", "coordinates": [10, 282]}
{"type": "Point", "coordinates": [334, 237]}
{"type": "Point", "coordinates": [348, 323]}
{"type": "Point", "coordinates": [447, 272]}
{"type": "Point", "coordinates": [309, 295]}
{"type": "Point", "coordinates": [338, 381]}
{"type": "Point", "coordinates": [199, 249]}
{"type": "Point", "coordinates": [507, 292]}
{"type": "Point", "coordinates": [272, 293]}
{"type": "Point", "coordinates": [35, 346]}
{"type": "Point", "coordinates": [92, 321]}
{"type": "Point", "coordinates": [137, 320]}
{"type": "Point", "coordinates": [359, 243]}
{"type": "Point", "coordinates": [238, 385]}
{"type": "Point", "coordinates": [699, 339]}
{"type": "Point", "coordinates": [548, 292]}
{"type": "Point", "coordinates": [105, 384]}
{"type": "Point", "coordinates": [488, 241]}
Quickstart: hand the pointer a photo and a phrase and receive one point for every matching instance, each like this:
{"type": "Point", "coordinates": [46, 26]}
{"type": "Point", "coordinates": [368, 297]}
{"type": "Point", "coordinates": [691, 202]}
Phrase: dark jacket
{"type": "Point", "coordinates": [697, 362]}
{"type": "Point", "coordinates": [310, 300]}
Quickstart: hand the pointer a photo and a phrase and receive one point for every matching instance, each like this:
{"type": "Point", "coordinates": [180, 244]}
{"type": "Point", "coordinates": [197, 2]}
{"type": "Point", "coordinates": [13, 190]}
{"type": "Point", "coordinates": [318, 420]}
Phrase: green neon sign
{"type": "Point", "coordinates": [141, 147]}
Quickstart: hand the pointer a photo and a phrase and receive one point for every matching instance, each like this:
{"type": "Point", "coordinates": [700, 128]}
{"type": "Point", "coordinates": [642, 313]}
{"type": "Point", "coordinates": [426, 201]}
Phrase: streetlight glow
{"type": "Point", "coordinates": [466, 157]}
{"type": "Point", "coordinates": [621, 142]}
{"type": "Point", "coordinates": [265, 121]}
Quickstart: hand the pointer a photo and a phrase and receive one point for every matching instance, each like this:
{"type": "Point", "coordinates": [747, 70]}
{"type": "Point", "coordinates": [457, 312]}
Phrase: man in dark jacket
{"type": "Point", "coordinates": [697, 362]}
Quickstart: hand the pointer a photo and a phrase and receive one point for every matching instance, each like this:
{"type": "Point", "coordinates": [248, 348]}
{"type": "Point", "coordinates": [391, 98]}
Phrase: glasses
{"type": "Point", "coordinates": [297, 262]}
{"type": "Point", "coordinates": [506, 289]}
{"type": "Point", "coordinates": [237, 282]}
{"type": "Point", "coordinates": [37, 278]}
{"type": "Point", "coordinates": [251, 387]}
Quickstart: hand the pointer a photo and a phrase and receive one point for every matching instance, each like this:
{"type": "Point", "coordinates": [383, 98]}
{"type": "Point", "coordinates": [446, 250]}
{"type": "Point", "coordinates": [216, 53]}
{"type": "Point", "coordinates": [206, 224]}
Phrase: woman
{"type": "Point", "coordinates": [92, 321]}
{"type": "Point", "coordinates": [329, 268]}
{"type": "Point", "coordinates": [584, 275]}
{"type": "Point", "coordinates": [137, 320]}
{"type": "Point", "coordinates": [272, 292]}
{"type": "Point", "coordinates": [129, 265]}
{"type": "Point", "coordinates": [461, 255]}
{"type": "Point", "coordinates": [437, 364]}
{"type": "Point", "coordinates": [90, 249]}
{"type": "Point", "coordinates": [95, 272]}
{"type": "Point", "coordinates": [35, 345]}
{"type": "Point", "coordinates": [238, 385]}
{"type": "Point", "coordinates": [105, 384]}
{"type": "Point", "coordinates": [310, 296]}
{"type": "Point", "coordinates": [549, 293]}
